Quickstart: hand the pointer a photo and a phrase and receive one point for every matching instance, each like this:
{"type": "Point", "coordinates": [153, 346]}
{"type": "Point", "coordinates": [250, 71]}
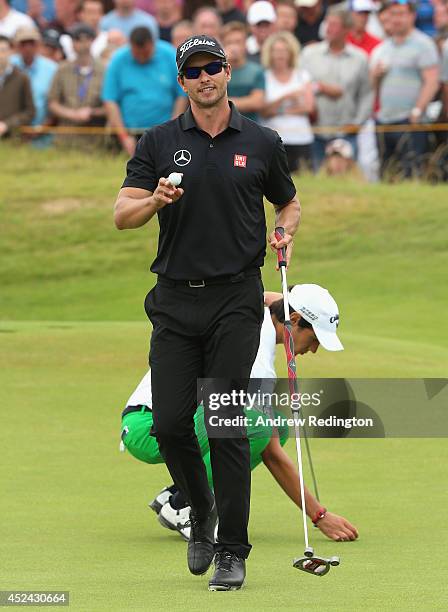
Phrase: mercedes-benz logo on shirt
{"type": "Point", "coordinates": [182, 157]}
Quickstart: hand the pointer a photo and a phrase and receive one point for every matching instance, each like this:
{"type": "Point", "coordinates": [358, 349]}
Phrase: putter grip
{"type": "Point", "coordinates": [281, 253]}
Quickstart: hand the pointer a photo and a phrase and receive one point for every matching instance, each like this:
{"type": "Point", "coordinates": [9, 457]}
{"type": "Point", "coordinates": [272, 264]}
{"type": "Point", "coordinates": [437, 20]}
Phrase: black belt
{"type": "Point", "coordinates": [217, 280]}
{"type": "Point", "coordinates": [130, 409]}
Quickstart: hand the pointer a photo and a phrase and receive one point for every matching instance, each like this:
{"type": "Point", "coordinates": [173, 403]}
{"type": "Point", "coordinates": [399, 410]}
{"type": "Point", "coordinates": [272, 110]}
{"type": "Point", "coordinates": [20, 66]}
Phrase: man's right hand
{"type": "Point", "coordinates": [331, 91]}
{"type": "Point", "coordinates": [128, 142]}
{"type": "Point", "coordinates": [3, 128]}
{"type": "Point", "coordinates": [82, 115]}
{"type": "Point", "coordinates": [378, 70]}
{"type": "Point", "coordinates": [337, 528]}
{"type": "Point", "coordinates": [165, 193]}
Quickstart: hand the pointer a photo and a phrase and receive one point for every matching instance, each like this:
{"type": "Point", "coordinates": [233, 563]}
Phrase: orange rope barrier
{"type": "Point", "coordinates": [324, 129]}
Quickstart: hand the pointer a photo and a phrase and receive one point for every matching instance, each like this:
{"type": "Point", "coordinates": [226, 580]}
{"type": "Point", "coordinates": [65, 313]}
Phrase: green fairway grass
{"type": "Point", "coordinates": [74, 339]}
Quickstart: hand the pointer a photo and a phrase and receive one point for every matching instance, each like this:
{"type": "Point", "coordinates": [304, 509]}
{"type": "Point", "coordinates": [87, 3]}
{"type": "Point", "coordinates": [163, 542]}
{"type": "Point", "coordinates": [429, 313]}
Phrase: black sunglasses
{"type": "Point", "coordinates": [194, 72]}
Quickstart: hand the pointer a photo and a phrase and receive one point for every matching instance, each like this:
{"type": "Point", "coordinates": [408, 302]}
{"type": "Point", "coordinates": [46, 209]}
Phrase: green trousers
{"type": "Point", "coordinates": [137, 440]}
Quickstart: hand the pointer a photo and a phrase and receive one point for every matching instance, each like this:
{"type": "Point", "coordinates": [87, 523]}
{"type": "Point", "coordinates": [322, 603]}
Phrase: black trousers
{"type": "Point", "coordinates": [205, 332]}
{"type": "Point", "coordinates": [402, 154]}
{"type": "Point", "coordinates": [299, 157]}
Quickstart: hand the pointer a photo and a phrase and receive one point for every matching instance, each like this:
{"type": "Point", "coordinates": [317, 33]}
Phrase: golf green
{"type": "Point", "coordinates": [74, 342]}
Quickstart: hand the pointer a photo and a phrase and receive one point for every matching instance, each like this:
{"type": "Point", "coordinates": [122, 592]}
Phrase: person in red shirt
{"type": "Point", "coordinates": [358, 35]}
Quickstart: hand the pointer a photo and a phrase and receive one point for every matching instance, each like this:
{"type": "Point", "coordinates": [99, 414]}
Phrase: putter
{"type": "Point", "coordinates": [310, 563]}
{"type": "Point", "coordinates": [310, 463]}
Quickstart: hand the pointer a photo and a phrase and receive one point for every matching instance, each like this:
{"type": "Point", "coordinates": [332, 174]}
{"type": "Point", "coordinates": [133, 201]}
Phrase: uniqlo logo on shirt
{"type": "Point", "coordinates": [239, 160]}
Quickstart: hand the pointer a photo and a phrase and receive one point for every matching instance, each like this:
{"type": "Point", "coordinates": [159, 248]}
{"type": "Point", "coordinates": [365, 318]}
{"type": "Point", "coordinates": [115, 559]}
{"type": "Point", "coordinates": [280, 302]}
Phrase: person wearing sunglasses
{"type": "Point", "coordinates": [206, 308]}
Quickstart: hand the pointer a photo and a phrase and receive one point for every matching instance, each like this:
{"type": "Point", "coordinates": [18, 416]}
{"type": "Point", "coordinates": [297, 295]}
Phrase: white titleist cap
{"type": "Point", "coordinates": [317, 306]}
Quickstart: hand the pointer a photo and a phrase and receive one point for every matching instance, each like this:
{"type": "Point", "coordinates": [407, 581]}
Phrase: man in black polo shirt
{"type": "Point", "coordinates": [207, 306]}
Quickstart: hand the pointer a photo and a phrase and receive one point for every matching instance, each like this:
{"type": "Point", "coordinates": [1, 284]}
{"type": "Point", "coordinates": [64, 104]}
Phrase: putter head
{"type": "Point", "coordinates": [310, 563]}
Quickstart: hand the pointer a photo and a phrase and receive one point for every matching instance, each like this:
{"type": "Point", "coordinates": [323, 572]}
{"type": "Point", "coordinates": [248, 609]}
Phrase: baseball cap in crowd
{"type": "Point", "coordinates": [198, 44]}
{"type": "Point", "coordinates": [82, 29]}
{"type": "Point", "coordinates": [317, 306]}
{"type": "Point", "coordinates": [341, 147]}
{"type": "Point", "coordinates": [411, 3]}
{"type": "Point", "coordinates": [51, 38]}
{"type": "Point", "coordinates": [363, 6]}
{"type": "Point", "coordinates": [306, 3]}
{"type": "Point", "coordinates": [26, 34]}
{"type": "Point", "coordinates": [259, 11]}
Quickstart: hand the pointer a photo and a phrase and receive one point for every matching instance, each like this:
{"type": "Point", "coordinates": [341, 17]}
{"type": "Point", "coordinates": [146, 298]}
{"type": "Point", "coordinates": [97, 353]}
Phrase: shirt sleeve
{"type": "Point", "coordinates": [260, 82]}
{"type": "Point", "coordinates": [304, 77]}
{"type": "Point", "coordinates": [375, 56]}
{"type": "Point", "coordinates": [55, 93]}
{"type": "Point", "coordinates": [444, 71]}
{"type": "Point", "coordinates": [25, 112]}
{"type": "Point", "coordinates": [305, 62]}
{"type": "Point", "coordinates": [279, 188]}
{"type": "Point", "coordinates": [104, 23]}
{"type": "Point", "coordinates": [141, 171]}
{"type": "Point", "coordinates": [429, 55]}
{"type": "Point", "coordinates": [111, 86]}
{"type": "Point", "coordinates": [365, 95]}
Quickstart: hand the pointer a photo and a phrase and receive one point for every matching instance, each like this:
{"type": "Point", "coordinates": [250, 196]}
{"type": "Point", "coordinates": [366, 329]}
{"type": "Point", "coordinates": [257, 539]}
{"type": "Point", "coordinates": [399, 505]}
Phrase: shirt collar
{"type": "Point", "coordinates": [345, 50]}
{"type": "Point", "coordinates": [236, 123]}
{"type": "Point", "coordinates": [31, 68]}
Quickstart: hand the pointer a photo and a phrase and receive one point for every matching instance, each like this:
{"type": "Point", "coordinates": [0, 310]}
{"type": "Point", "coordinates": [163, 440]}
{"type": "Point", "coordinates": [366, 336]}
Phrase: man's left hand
{"type": "Point", "coordinates": [337, 528]}
{"type": "Point", "coordinates": [415, 116]}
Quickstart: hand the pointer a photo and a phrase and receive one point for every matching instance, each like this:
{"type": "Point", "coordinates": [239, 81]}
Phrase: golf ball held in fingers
{"type": "Point", "coordinates": [175, 178]}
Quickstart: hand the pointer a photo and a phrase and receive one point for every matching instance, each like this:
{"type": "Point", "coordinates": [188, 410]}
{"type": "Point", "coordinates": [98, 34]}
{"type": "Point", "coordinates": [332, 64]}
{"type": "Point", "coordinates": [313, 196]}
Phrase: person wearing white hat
{"type": "Point", "coordinates": [261, 18]}
{"type": "Point", "coordinates": [358, 35]}
{"type": "Point", "coordinates": [339, 159]}
{"type": "Point", "coordinates": [40, 71]}
{"type": "Point", "coordinates": [314, 317]}
{"type": "Point", "coordinates": [311, 14]}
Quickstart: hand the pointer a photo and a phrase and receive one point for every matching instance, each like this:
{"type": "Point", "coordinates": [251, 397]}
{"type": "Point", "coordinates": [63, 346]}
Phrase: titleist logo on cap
{"type": "Point", "coordinates": [192, 43]}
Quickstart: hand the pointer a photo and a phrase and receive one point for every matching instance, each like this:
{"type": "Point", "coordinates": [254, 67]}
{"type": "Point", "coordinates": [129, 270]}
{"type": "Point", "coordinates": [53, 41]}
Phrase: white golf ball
{"type": "Point", "coordinates": [175, 178]}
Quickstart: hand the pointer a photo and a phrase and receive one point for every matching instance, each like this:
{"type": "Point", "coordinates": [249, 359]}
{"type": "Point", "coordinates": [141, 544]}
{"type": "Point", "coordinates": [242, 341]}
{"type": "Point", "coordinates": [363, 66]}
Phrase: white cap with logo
{"type": "Point", "coordinates": [316, 305]}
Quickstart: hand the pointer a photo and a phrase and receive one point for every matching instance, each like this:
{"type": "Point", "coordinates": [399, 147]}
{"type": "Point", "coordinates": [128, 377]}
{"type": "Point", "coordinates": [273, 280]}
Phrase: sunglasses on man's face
{"type": "Point", "coordinates": [194, 72]}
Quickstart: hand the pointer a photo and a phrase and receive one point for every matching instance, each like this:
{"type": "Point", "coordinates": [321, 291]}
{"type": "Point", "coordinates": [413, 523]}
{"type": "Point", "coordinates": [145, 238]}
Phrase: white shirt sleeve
{"type": "Point", "coordinates": [264, 364]}
{"type": "Point", "coordinates": [143, 393]}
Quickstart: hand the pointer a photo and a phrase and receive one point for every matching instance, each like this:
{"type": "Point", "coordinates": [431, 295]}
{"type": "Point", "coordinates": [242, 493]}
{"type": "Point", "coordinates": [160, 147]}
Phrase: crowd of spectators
{"type": "Point", "coordinates": [347, 85]}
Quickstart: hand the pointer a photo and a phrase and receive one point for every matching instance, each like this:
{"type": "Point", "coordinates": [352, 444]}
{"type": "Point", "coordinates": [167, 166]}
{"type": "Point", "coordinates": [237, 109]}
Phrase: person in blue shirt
{"type": "Point", "coordinates": [126, 18]}
{"type": "Point", "coordinates": [140, 87]}
{"type": "Point", "coordinates": [40, 72]}
{"type": "Point", "coordinates": [425, 17]}
{"type": "Point", "coordinates": [48, 11]}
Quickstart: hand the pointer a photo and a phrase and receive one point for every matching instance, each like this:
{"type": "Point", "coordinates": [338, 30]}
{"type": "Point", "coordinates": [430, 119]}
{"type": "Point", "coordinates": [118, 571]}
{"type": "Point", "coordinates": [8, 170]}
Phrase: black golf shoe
{"type": "Point", "coordinates": [230, 572]}
{"type": "Point", "coordinates": [201, 543]}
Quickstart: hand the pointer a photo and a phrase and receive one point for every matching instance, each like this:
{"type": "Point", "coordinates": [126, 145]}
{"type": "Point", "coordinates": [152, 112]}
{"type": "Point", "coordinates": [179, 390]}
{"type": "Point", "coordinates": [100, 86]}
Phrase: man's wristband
{"type": "Point", "coordinates": [122, 136]}
{"type": "Point", "coordinates": [319, 515]}
{"type": "Point", "coordinates": [416, 112]}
